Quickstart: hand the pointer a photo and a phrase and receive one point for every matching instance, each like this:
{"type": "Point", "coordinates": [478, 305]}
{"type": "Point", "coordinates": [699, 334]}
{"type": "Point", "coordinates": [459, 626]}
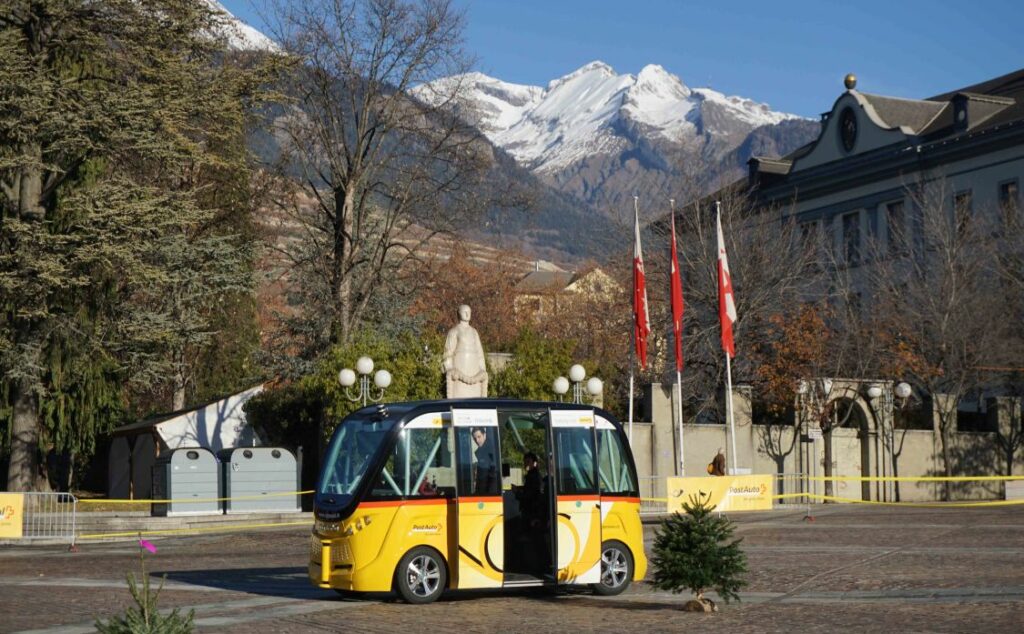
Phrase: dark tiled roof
{"type": "Point", "coordinates": [1009, 86]}
{"type": "Point", "coordinates": [772, 165]}
{"type": "Point", "coordinates": [910, 113]}
{"type": "Point", "coordinates": [540, 281]}
{"type": "Point", "coordinates": [995, 111]}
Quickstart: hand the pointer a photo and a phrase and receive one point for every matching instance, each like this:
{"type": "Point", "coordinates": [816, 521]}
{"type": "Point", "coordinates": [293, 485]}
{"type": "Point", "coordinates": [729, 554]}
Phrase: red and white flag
{"type": "Point", "coordinates": [641, 317]}
{"type": "Point", "coordinates": [726, 301]}
{"type": "Point", "coordinates": [676, 281]}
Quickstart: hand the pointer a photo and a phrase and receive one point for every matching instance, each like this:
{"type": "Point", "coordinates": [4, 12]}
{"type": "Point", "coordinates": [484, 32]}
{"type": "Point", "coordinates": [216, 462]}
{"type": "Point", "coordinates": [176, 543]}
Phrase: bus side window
{"type": "Point", "coordinates": [420, 465]}
{"type": "Point", "coordinates": [613, 470]}
{"type": "Point", "coordinates": [575, 457]}
{"type": "Point", "coordinates": [477, 449]}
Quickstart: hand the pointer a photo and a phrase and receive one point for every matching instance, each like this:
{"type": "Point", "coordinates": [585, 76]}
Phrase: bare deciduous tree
{"type": "Point", "coordinates": [770, 276]}
{"type": "Point", "coordinates": [938, 295]}
{"type": "Point", "coordinates": [378, 171]}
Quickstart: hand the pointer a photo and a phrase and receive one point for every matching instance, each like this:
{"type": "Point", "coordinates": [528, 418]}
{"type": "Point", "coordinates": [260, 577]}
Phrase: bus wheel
{"type": "Point", "coordinates": [616, 569]}
{"type": "Point", "coordinates": [421, 575]}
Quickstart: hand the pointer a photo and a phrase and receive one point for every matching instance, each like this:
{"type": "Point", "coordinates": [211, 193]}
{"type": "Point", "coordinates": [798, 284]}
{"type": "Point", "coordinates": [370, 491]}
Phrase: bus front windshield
{"type": "Point", "coordinates": [356, 442]}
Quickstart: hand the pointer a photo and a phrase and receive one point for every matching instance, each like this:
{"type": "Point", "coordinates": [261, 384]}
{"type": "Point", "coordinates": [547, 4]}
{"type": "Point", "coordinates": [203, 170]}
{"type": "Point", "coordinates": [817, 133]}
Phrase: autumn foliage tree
{"type": "Point", "coordinates": [799, 362]}
{"type": "Point", "coordinates": [486, 285]}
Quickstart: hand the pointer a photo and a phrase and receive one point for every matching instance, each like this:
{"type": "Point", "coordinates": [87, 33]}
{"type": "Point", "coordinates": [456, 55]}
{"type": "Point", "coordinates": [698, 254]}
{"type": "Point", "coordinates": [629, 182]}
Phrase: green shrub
{"type": "Point", "coordinates": [697, 552]}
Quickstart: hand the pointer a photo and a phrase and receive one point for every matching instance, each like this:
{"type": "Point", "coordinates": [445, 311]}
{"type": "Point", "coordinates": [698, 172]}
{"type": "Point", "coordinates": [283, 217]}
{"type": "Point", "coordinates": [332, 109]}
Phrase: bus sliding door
{"type": "Point", "coordinates": [578, 504]}
{"type": "Point", "coordinates": [479, 557]}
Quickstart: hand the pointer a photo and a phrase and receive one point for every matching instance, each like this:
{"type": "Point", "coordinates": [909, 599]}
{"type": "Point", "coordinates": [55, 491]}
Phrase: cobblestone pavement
{"type": "Point", "coordinates": [855, 568]}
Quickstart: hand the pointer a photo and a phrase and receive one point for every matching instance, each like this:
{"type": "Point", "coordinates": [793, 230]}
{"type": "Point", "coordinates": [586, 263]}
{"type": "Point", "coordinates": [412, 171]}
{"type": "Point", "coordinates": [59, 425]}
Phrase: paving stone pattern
{"type": "Point", "coordinates": [852, 568]}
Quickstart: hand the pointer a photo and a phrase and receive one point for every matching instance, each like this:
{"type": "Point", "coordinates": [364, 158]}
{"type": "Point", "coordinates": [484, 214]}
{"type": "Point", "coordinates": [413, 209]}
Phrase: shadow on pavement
{"type": "Point", "coordinates": [288, 582]}
{"type": "Point", "coordinates": [627, 604]}
{"type": "Point", "coordinates": [291, 582]}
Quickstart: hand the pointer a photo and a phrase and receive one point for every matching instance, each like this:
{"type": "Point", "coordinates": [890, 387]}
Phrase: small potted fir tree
{"type": "Point", "coordinates": [696, 551]}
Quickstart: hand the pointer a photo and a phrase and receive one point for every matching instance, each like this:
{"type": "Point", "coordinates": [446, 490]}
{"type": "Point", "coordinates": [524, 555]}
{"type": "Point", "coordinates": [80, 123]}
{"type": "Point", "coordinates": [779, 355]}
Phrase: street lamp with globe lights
{"type": "Point", "coordinates": [364, 365]}
{"type": "Point", "coordinates": [903, 391]}
{"type": "Point", "coordinates": [594, 386]}
{"type": "Point", "coordinates": [887, 391]}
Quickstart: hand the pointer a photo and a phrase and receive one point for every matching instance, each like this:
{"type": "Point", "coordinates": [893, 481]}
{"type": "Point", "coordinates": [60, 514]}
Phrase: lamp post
{"type": "Point", "coordinates": [886, 390]}
{"type": "Point", "coordinates": [903, 392]}
{"type": "Point", "coordinates": [347, 378]}
{"type": "Point", "coordinates": [594, 386]}
{"type": "Point", "coordinates": [804, 399]}
{"type": "Point", "coordinates": [873, 392]}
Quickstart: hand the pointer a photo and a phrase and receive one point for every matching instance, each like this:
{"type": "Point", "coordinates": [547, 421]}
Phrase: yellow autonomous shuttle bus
{"type": "Point", "coordinates": [420, 497]}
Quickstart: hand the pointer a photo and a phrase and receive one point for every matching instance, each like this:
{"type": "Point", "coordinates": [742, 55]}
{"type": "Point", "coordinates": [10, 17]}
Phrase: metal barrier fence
{"type": "Point", "coordinates": [653, 496]}
{"type": "Point", "coordinates": [49, 516]}
{"type": "Point", "coordinates": [791, 489]}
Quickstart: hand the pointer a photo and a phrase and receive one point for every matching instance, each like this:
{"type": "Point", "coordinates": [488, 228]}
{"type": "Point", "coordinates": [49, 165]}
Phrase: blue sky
{"type": "Point", "coordinates": [792, 55]}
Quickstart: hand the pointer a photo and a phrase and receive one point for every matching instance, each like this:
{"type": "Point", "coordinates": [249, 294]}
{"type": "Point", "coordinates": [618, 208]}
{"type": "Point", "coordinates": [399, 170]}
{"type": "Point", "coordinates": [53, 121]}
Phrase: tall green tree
{"type": "Point", "coordinates": [117, 115]}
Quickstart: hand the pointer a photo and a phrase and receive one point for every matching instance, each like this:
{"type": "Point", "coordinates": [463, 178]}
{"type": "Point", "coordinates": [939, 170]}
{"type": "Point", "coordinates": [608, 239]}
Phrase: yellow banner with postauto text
{"type": "Point", "coordinates": [725, 493]}
{"type": "Point", "coordinates": [11, 508]}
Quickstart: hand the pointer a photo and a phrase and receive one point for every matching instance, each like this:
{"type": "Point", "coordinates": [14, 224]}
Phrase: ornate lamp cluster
{"type": "Point", "coordinates": [594, 386]}
{"type": "Point", "coordinates": [347, 378]}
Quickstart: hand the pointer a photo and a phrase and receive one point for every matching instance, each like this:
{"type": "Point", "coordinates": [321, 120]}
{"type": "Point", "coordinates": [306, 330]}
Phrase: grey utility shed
{"type": "Point", "coordinates": [189, 473]}
{"type": "Point", "coordinates": [257, 478]}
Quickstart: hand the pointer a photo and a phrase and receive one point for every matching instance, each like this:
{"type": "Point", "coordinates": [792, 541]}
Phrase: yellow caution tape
{"type": "Point", "coordinates": [213, 529]}
{"type": "Point", "coordinates": [935, 505]}
{"type": "Point", "coordinates": [911, 478]}
{"type": "Point", "coordinates": [191, 500]}
{"type": "Point", "coordinates": [833, 498]}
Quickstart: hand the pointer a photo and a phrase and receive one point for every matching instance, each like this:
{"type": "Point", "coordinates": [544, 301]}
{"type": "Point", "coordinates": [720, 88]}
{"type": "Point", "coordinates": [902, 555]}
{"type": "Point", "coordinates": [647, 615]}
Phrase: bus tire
{"type": "Point", "coordinates": [616, 569]}
{"type": "Point", "coordinates": [421, 575]}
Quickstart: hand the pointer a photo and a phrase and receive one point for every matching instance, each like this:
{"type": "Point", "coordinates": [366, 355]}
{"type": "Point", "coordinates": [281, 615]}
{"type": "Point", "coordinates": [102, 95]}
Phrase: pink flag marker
{"type": "Point", "coordinates": [148, 546]}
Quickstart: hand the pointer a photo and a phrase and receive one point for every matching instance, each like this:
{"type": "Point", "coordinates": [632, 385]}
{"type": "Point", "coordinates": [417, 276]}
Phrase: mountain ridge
{"type": "Point", "coordinates": [592, 139]}
{"type": "Point", "coordinates": [548, 129]}
{"type": "Point", "coordinates": [601, 137]}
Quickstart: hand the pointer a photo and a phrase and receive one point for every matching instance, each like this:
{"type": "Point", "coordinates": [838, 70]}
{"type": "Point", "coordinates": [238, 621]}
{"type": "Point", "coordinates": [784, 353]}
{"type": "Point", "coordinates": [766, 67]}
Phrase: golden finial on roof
{"type": "Point", "coordinates": [850, 81]}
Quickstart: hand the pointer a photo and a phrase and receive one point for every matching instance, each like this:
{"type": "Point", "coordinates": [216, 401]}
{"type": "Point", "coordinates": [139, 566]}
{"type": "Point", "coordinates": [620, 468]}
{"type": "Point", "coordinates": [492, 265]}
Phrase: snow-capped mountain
{"type": "Point", "coordinates": [241, 36]}
{"type": "Point", "coordinates": [594, 110]}
{"type": "Point", "coordinates": [594, 138]}
{"type": "Point", "coordinates": [602, 137]}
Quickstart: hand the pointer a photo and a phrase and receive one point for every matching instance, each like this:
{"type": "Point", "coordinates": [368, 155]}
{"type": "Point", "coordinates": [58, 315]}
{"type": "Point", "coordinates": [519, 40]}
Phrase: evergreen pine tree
{"type": "Point", "coordinates": [123, 174]}
{"type": "Point", "coordinates": [697, 552]}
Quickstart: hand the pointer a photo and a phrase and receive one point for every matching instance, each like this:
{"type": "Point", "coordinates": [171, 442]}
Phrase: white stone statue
{"type": "Point", "coordinates": [465, 366]}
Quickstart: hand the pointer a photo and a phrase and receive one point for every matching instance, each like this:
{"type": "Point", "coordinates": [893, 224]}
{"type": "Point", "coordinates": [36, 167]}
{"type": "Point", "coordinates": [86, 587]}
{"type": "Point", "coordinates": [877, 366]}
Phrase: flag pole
{"type": "Point", "coordinates": [631, 401]}
{"type": "Point", "coordinates": [679, 379]}
{"type": "Point", "coordinates": [728, 359]}
{"type": "Point", "coordinates": [732, 419]}
{"type": "Point", "coordinates": [632, 348]}
{"type": "Point", "coordinates": [679, 413]}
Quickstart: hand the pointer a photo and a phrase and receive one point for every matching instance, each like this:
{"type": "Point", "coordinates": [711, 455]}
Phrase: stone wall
{"type": "Point", "coordinates": [855, 452]}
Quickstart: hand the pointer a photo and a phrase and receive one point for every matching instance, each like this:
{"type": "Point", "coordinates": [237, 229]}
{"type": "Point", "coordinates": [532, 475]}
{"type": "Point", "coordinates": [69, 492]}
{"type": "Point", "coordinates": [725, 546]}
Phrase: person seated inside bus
{"type": "Point", "coordinates": [485, 476]}
{"type": "Point", "coordinates": [533, 521]}
{"type": "Point", "coordinates": [530, 495]}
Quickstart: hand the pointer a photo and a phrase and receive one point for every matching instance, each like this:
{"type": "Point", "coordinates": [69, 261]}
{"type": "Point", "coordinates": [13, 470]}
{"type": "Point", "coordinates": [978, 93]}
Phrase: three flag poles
{"type": "Point", "coordinates": [642, 324]}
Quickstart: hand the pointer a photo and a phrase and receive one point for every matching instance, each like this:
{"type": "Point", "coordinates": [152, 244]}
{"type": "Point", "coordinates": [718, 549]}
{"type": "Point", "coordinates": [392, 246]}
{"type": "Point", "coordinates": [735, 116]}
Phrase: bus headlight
{"type": "Point", "coordinates": [322, 526]}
